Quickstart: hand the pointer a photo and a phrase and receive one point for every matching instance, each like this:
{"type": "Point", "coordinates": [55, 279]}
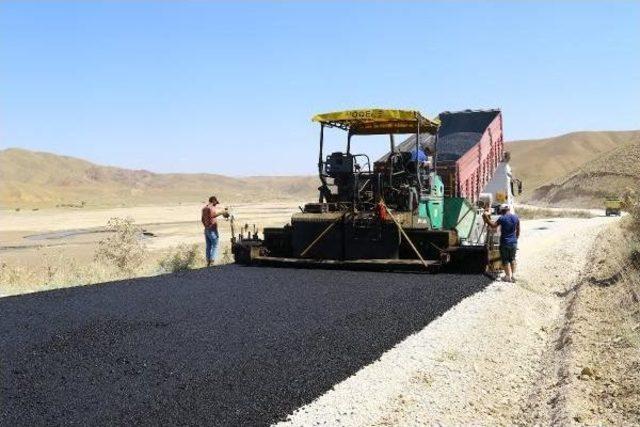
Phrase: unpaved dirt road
{"type": "Point", "coordinates": [482, 362]}
{"type": "Point", "coordinates": [28, 236]}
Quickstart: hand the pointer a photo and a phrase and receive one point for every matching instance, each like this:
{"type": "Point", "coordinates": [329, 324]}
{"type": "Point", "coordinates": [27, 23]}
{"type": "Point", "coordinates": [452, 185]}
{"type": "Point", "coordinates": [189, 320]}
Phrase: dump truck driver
{"type": "Point", "coordinates": [420, 158]}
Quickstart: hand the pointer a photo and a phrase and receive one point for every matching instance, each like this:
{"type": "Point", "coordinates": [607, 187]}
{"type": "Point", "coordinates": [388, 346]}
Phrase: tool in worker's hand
{"type": "Point", "coordinates": [233, 229]}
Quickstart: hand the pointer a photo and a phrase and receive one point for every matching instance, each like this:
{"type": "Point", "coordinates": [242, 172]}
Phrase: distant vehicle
{"type": "Point", "coordinates": [612, 207]}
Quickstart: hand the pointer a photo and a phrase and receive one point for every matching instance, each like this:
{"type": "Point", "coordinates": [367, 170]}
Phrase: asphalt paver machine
{"type": "Point", "coordinates": [416, 208]}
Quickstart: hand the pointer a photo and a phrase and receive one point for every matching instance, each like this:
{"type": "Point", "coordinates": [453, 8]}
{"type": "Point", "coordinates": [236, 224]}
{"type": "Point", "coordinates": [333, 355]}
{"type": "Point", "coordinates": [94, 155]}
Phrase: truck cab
{"type": "Point", "coordinates": [502, 188]}
{"type": "Point", "coordinates": [613, 207]}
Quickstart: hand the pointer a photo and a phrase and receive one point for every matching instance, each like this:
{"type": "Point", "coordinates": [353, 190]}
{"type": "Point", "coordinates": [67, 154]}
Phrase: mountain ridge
{"type": "Point", "coordinates": [41, 179]}
{"type": "Point", "coordinates": [31, 178]}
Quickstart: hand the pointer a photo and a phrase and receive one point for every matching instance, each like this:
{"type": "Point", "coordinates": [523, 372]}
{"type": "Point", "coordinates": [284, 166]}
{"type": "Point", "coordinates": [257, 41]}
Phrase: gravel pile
{"type": "Point", "coordinates": [222, 346]}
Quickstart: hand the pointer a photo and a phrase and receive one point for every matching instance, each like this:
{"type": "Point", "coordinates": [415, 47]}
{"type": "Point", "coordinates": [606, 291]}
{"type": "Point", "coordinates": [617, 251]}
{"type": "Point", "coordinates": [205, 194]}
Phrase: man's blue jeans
{"type": "Point", "coordinates": [211, 238]}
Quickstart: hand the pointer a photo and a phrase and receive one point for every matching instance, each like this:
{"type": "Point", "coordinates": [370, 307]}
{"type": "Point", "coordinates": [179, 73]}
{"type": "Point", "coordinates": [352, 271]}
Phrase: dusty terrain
{"type": "Point", "coordinates": [489, 360]}
{"type": "Point", "coordinates": [35, 241]}
{"type": "Point", "coordinates": [593, 377]}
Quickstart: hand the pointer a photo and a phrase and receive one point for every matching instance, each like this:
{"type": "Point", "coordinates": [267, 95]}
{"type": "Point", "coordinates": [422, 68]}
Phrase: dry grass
{"type": "Point", "coordinates": [62, 272]}
{"type": "Point", "coordinates": [54, 273]}
{"type": "Point", "coordinates": [124, 248]}
{"type": "Point", "coordinates": [631, 204]}
{"type": "Point", "coordinates": [525, 212]}
{"type": "Point", "coordinates": [631, 254]}
{"type": "Point", "coordinates": [120, 253]}
{"type": "Point", "coordinates": [44, 263]}
{"type": "Point", "coordinates": [183, 257]}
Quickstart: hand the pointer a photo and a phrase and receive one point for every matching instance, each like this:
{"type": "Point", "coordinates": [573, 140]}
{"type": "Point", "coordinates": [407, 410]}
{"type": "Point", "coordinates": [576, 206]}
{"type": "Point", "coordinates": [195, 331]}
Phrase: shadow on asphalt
{"type": "Point", "coordinates": [221, 346]}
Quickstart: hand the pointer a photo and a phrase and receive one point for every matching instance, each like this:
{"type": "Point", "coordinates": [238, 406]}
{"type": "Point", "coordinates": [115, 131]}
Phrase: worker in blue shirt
{"type": "Point", "coordinates": [420, 158]}
{"type": "Point", "coordinates": [418, 155]}
{"type": "Point", "coordinates": [509, 224]}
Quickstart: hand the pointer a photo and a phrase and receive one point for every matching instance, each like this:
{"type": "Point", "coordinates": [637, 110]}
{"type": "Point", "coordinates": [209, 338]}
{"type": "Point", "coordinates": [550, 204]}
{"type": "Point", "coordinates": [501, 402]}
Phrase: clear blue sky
{"type": "Point", "coordinates": [230, 88]}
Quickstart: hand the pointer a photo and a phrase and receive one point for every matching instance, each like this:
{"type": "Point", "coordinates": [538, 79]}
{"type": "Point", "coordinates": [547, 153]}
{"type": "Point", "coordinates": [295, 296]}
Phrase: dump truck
{"type": "Point", "coordinates": [612, 207]}
{"type": "Point", "coordinates": [418, 207]}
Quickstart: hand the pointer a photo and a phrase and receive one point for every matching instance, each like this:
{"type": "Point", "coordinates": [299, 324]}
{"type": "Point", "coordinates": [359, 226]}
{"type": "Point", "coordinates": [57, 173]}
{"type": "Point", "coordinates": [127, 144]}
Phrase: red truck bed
{"type": "Point", "coordinates": [469, 147]}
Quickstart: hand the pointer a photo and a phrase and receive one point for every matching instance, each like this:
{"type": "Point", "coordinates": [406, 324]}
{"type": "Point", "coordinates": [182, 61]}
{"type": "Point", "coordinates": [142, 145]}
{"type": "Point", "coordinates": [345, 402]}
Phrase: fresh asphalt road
{"type": "Point", "coordinates": [223, 346]}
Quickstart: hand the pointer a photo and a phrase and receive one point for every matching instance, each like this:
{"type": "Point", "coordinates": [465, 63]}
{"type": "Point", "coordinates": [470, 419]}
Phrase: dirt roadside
{"type": "Point", "coordinates": [594, 367]}
{"type": "Point", "coordinates": [492, 359]}
{"type": "Point", "coordinates": [52, 248]}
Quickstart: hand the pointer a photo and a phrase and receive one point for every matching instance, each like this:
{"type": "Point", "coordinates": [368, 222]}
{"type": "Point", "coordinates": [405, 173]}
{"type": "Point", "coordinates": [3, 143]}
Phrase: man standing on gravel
{"type": "Point", "coordinates": [509, 224]}
{"type": "Point", "coordinates": [210, 224]}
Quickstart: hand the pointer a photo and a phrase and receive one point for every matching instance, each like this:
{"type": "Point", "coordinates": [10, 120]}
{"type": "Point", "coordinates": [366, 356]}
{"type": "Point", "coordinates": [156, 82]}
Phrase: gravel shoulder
{"type": "Point", "coordinates": [481, 362]}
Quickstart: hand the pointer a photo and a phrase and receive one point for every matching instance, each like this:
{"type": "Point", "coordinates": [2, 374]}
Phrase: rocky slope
{"type": "Point", "coordinates": [588, 185]}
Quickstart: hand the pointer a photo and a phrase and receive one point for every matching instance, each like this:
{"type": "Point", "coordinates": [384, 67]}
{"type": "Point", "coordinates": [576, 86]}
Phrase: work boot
{"type": "Point", "coordinates": [208, 263]}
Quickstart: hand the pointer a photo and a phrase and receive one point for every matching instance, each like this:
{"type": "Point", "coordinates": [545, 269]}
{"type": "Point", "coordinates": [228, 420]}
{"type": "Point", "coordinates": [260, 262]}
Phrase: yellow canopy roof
{"type": "Point", "coordinates": [378, 122]}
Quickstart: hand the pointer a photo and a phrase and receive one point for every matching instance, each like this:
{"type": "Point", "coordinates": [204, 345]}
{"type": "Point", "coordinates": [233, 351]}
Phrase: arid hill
{"type": "Point", "coordinates": [578, 168]}
{"type": "Point", "coordinates": [587, 186]}
{"type": "Point", "coordinates": [545, 164]}
{"type": "Point", "coordinates": [42, 179]}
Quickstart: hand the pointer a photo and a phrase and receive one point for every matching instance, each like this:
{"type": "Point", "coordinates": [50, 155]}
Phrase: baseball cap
{"type": "Point", "coordinates": [504, 207]}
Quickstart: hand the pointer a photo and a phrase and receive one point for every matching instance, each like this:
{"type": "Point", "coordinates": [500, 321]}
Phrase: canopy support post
{"type": "Point", "coordinates": [323, 188]}
{"type": "Point", "coordinates": [391, 160]}
{"type": "Point", "coordinates": [417, 162]}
